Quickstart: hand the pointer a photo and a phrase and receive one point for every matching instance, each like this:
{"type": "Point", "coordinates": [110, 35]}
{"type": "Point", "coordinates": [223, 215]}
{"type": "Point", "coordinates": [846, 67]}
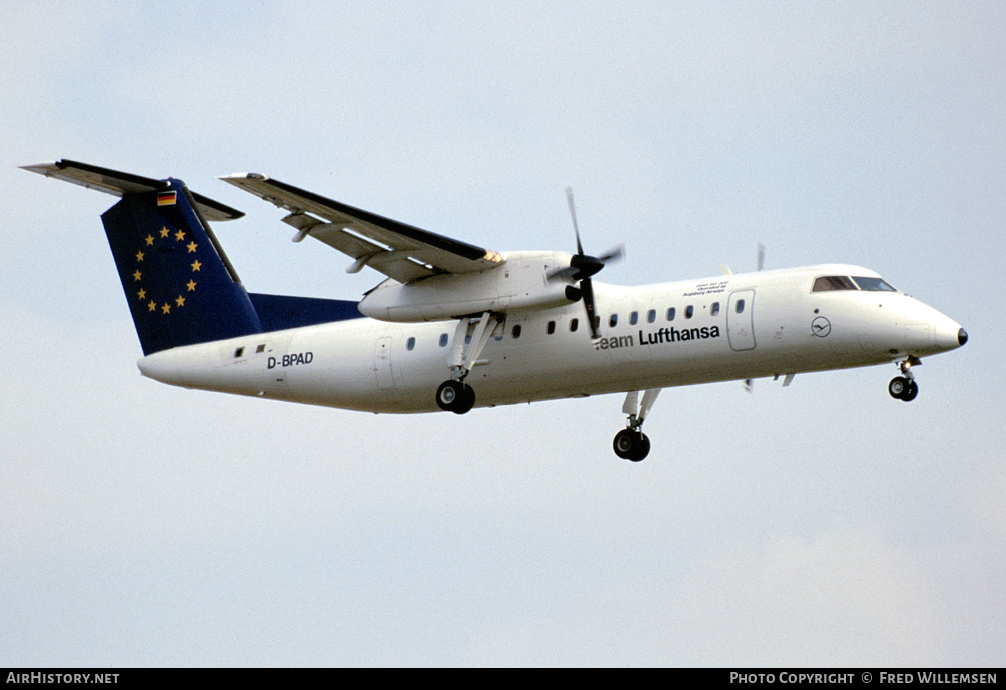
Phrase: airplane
{"type": "Point", "coordinates": [454, 325]}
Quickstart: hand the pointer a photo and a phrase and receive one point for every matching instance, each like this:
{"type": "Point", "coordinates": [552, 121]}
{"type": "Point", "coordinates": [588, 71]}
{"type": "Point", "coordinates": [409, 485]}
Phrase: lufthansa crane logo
{"type": "Point", "coordinates": [820, 327]}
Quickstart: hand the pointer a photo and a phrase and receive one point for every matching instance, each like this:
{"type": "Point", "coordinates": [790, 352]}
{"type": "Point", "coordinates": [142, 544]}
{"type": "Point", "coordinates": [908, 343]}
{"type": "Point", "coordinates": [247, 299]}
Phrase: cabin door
{"type": "Point", "coordinates": [740, 320]}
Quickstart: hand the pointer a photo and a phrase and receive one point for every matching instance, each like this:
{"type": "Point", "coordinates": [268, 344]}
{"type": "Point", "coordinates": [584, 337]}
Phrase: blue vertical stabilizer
{"type": "Point", "coordinates": [179, 285]}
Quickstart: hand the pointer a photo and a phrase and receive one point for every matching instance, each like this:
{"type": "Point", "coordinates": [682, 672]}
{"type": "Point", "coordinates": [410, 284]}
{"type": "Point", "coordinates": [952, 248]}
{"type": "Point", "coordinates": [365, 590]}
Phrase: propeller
{"type": "Point", "coordinates": [581, 268]}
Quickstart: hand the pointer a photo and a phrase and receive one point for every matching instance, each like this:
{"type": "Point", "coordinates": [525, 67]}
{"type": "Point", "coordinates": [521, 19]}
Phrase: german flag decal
{"type": "Point", "coordinates": [167, 198]}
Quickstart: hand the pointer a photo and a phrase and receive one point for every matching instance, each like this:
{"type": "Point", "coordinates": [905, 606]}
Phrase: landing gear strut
{"type": "Point", "coordinates": [455, 395]}
{"type": "Point", "coordinates": [904, 387]}
{"type": "Point", "coordinates": [631, 443]}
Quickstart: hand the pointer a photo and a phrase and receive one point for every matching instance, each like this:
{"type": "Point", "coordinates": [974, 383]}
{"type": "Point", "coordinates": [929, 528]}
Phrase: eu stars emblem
{"type": "Point", "coordinates": [163, 251]}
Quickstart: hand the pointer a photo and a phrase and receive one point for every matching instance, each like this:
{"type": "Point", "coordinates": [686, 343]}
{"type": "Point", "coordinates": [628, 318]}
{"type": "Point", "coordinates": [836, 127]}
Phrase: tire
{"type": "Point", "coordinates": [448, 394]}
{"type": "Point", "coordinates": [911, 392]}
{"type": "Point", "coordinates": [897, 387]}
{"type": "Point", "coordinates": [623, 443]}
{"type": "Point", "coordinates": [631, 445]}
{"type": "Point", "coordinates": [466, 401]}
{"type": "Point", "coordinates": [455, 396]}
{"type": "Point", "coordinates": [642, 448]}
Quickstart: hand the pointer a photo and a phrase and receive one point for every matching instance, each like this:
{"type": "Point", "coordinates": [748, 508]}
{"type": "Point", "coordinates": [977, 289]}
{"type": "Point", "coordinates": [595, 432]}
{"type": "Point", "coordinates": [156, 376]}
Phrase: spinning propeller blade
{"type": "Point", "coordinates": [582, 267]}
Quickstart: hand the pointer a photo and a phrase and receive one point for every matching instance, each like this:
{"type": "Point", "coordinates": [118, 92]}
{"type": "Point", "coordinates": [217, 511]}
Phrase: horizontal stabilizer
{"type": "Point", "coordinates": [120, 183]}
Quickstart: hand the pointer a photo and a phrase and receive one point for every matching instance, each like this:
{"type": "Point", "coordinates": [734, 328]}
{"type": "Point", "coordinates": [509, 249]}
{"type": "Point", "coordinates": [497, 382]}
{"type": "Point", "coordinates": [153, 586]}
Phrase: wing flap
{"type": "Point", "coordinates": [120, 183]}
{"type": "Point", "coordinates": [400, 251]}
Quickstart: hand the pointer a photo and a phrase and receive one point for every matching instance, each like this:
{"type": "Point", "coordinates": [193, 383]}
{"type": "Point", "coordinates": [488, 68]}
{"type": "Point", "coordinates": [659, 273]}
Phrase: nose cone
{"type": "Point", "coordinates": [940, 334]}
{"type": "Point", "coordinates": [949, 334]}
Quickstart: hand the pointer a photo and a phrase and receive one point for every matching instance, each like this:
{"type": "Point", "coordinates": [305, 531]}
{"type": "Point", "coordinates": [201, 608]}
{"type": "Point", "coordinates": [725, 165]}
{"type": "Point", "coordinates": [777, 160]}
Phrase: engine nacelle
{"type": "Point", "coordinates": [519, 283]}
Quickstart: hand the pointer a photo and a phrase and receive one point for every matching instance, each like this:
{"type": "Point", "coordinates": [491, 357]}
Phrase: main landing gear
{"type": "Point", "coordinates": [904, 387]}
{"type": "Point", "coordinates": [470, 338]}
{"type": "Point", "coordinates": [455, 396]}
{"type": "Point", "coordinates": [631, 443]}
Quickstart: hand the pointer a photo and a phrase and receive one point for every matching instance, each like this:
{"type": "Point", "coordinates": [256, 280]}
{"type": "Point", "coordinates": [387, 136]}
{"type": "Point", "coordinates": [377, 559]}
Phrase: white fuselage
{"type": "Point", "coordinates": [723, 328]}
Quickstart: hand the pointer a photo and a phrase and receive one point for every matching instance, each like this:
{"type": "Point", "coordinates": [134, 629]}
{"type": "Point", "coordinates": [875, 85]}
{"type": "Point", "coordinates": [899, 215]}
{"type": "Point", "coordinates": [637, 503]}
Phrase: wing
{"type": "Point", "coordinates": [120, 183]}
{"type": "Point", "coordinates": [397, 250]}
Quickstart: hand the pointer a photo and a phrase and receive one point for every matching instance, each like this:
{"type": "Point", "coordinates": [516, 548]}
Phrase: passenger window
{"type": "Point", "coordinates": [516, 331]}
{"type": "Point", "coordinates": [238, 352]}
{"type": "Point", "coordinates": [443, 340]}
{"type": "Point", "coordinates": [670, 314]}
{"type": "Point", "coordinates": [715, 309]}
{"type": "Point", "coordinates": [573, 325]}
{"type": "Point", "coordinates": [689, 311]}
{"type": "Point", "coordinates": [410, 344]}
{"type": "Point", "coordinates": [550, 329]}
{"type": "Point", "coordinates": [651, 316]}
{"type": "Point", "coordinates": [740, 306]}
{"type": "Point", "coordinates": [634, 318]}
{"type": "Point", "coordinates": [613, 321]}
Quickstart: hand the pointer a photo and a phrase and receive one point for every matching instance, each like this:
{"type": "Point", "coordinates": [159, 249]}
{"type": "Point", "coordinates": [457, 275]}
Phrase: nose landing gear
{"type": "Point", "coordinates": [904, 387]}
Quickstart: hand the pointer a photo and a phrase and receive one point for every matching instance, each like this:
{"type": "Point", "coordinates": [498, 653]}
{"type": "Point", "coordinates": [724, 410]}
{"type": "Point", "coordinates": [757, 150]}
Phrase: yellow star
{"type": "Point", "coordinates": [180, 301]}
{"type": "Point", "coordinates": [192, 247]}
{"type": "Point", "coordinates": [150, 240]}
{"type": "Point", "coordinates": [152, 306]}
{"type": "Point", "coordinates": [165, 232]}
{"type": "Point", "coordinates": [191, 285]}
{"type": "Point", "coordinates": [166, 308]}
{"type": "Point", "coordinates": [137, 276]}
{"type": "Point", "coordinates": [143, 294]}
{"type": "Point", "coordinates": [139, 256]}
{"type": "Point", "coordinates": [180, 235]}
{"type": "Point", "coordinates": [196, 265]}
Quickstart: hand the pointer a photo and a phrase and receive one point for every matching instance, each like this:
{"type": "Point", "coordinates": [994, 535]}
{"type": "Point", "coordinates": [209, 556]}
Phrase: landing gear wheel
{"type": "Point", "coordinates": [903, 388]}
{"type": "Point", "coordinates": [911, 391]}
{"type": "Point", "coordinates": [467, 399]}
{"type": "Point", "coordinates": [897, 387]}
{"type": "Point", "coordinates": [455, 396]}
{"type": "Point", "coordinates": [631, 444]}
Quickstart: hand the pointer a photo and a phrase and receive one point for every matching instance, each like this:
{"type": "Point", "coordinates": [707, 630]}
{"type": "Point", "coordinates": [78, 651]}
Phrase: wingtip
{"type": "Point", "coordinates": [40, 168]}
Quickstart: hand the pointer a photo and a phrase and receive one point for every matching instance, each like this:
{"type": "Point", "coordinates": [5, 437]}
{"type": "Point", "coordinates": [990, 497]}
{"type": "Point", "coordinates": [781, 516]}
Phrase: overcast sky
{"type": "Point", "coordinates": [821, 524]}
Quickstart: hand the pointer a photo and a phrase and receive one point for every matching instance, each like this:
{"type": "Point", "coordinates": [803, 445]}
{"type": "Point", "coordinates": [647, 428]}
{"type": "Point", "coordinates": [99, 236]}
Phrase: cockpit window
{"type": "Point", "coordinates": [826, 283]}
{"type": "Point", "coordinates": [873, 284]}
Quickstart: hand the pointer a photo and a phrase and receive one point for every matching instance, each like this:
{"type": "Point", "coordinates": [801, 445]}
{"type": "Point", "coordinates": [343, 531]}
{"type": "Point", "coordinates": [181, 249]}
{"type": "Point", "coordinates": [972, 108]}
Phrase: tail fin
{"type": "Point", "coordinates": [179, 285]}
